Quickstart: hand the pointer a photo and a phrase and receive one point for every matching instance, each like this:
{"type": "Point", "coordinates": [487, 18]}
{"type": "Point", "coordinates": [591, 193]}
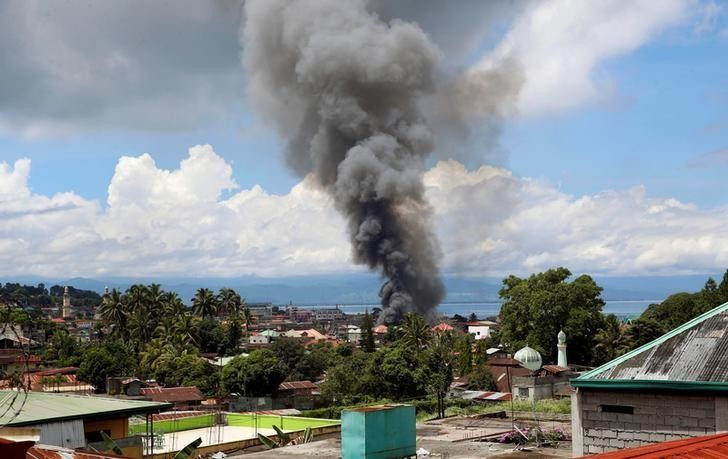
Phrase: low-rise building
{"type": "Point", "coordinates": [328, 314]}
{"type": "Point", "coordinates": [480, 329]}
{"type": "Point", "coordinates": [671, 388]}
{"type": "Point", "coordinates": [72, 421]}
{"type": "Point", "coordinates": [181, 397]}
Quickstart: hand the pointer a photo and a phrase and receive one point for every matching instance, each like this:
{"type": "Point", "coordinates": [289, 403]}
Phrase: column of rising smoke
{"type": "Point", "coordinates": [344, 89]}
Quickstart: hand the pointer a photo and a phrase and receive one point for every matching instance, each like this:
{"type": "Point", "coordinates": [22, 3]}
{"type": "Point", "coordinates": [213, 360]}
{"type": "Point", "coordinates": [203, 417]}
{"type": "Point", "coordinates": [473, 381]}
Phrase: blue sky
{"type": "Point", "coordinates": [649, 111]}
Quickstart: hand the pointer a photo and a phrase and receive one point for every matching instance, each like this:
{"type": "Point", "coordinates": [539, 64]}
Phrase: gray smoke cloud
{"type": "Point", "coordinates": [346, 91]}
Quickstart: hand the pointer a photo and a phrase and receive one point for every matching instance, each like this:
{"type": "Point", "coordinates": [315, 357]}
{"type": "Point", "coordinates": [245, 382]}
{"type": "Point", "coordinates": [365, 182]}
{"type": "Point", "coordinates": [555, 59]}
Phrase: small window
{"type": "Point", "coordinates": [523, 392]}
{"type": "Point", "coordinates": [622, 409]}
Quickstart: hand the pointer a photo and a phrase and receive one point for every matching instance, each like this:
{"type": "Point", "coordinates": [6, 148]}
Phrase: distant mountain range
{"type": "Point", "coordinates": [364, 288]}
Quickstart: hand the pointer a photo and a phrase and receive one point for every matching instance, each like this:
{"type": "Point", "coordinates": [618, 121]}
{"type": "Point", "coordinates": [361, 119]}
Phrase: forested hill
{"type": "Point", "coordinates": [40, 296]}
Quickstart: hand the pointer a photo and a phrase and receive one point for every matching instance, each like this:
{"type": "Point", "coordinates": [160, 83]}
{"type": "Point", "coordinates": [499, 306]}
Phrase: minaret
{"type": "Point", "coordinates": [67, 311]}
{"type": "Point", "coordinates": [562, 350]}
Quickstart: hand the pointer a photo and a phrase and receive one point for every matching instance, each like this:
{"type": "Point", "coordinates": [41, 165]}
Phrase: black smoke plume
{"type": "Point", "coordinates": [345, 90]}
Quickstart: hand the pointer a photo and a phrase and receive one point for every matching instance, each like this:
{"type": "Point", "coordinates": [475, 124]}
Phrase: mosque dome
{"type": "Point", "coordinates": [529, 358]}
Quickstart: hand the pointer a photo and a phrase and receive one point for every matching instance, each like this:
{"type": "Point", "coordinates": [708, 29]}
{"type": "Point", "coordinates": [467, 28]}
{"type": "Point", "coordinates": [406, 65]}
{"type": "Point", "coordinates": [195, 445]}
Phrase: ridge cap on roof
{"type": "Point", "coordinates": [675, 331]}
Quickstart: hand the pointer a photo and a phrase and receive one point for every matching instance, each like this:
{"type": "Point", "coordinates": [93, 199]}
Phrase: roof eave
{"type": "Point", "coordinates": [708, 386]}
{"type": "Point", "coordinates": [125, 412]}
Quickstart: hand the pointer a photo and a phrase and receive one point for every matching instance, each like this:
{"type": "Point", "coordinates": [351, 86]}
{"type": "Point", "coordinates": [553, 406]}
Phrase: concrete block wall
{"type": "Point", "coordinates": [656, 418]}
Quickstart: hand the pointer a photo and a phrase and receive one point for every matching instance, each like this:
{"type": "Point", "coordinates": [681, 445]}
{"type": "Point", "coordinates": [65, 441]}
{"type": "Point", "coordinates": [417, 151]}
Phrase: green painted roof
{"type": "Point", "coordinates": [692, 356]}
{"type": "Point", "coordinates": [40, 407]}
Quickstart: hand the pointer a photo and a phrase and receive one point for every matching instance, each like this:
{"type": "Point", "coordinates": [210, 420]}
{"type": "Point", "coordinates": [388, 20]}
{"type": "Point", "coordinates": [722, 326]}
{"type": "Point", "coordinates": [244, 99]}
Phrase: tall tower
{"type": "Point", "coordinates": [562, 350]}
{"type": "Point", "coordinates": [67, 309]}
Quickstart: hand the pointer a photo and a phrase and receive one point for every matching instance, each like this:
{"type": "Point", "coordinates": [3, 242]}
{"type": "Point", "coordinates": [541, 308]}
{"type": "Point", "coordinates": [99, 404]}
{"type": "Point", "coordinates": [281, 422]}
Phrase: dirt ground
{"type": "Point", "coordinates": [453, 438]}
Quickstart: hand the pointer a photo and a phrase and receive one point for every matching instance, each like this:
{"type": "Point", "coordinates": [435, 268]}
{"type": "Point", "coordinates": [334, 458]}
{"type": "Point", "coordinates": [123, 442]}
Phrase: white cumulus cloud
{"type": "Point", "coordinates": [195, 221]}
{"type": "Point", "coordinates": [561, 43]}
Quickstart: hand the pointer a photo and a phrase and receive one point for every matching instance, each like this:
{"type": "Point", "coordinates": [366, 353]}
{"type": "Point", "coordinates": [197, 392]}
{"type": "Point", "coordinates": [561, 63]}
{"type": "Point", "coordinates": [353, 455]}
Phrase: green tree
{"type": "Point", "coordinates": [186, 369]}
{"type": "Point", "coordinates": [465, 354]}
{"type": "Point", "coordinates": [396, 372]}
{"type": "Point", "coordinates": [415, 333]}
{"type": "Point", "coordinates": [204, 303]}
{"type": "Point", "coordinates": [209, 336]}
{"type": "Point", "coordinates": [233, 331]}
{"type": "Point", "coordinates": [440, 365]}
{"type": "Point", "coordinates": [367, 333]}
{"type": "Point", "coordinates": [172, 305]}
{"type": "Point", "coordinates": [481, 378]}
{"type": "Point", "coordinates": [536, 308]}
{"type": "Point", "coordinates": [256, 375]}
{"type": "Point", "coordinates": [97, 364]}
{"type": "Point", "coordinates": [290, 352]}
{"type": "Point", "coordinates": [113, 313]}
{"type": "Point", "coordinates": [642, 331]}
{"type": "Point", "coordinates": [344, 382]}
{"type": "Point", "coordinates": [62, 350]}
{"type": "Point", "coordinates": [609, 340]}
{"type": "Point", "coordinates": [230, 302]}
{"type": "Point", "coordinates": [674, 311]}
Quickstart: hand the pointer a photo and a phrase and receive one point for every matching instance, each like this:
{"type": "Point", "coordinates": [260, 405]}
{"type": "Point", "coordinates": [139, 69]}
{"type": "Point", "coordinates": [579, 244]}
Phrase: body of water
{"type": "Point", "coordinates": [488, 309]}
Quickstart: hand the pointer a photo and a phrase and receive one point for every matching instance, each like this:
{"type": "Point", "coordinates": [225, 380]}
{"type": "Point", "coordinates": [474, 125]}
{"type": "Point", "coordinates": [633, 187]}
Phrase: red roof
{"type": "Point", "coordinates": [442, 327]}
{"type": "Point", "coordinates": [554, 369]}
{"type": "Point", "coordinates": [56, 371]}
{"type": "Point", "coordinates": [380, 329]}
{"type": "Point", "coordinates": [697, 447]}
{"type": "Point", "coordinates": [173, 394]}
{"type": "Point", "coordinates": [495, 396]}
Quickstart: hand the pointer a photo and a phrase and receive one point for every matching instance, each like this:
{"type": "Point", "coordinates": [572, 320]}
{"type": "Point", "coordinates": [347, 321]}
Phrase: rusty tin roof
{"type": "Point", "coordinates": [692, 356]}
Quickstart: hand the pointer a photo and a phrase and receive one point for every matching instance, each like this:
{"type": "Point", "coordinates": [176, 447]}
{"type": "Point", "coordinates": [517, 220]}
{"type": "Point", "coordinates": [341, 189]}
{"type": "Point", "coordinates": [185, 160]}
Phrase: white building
{"type": "Point", "coordinates": [481, 330]}
{"type": "Point", "coordinates": [328, 314]}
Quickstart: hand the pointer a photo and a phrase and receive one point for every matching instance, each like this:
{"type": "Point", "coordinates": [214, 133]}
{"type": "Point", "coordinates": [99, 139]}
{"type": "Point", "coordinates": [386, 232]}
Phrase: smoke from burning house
{"type": "Point", "coordinates": [345, 90]}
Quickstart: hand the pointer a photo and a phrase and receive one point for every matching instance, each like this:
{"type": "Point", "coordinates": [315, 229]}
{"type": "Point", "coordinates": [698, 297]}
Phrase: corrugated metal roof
{"type": "Point", "coordinates": [694, 352]}
{"type": "Point", "coordinates": [698, 447]}
{"type": "Point", "coordinates": [56, 452]}
{"type": "Point", "coordinates": [294, 385]}
{"type": "Point", "coordinates": [173, 394]}
{"type": "Point", "coordinates": [32, 408]}
{"type": "Point", "coordinates": [494, 396]}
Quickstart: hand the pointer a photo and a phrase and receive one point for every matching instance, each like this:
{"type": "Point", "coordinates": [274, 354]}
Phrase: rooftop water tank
{"type": "Point", "coordinates": [378, 432]}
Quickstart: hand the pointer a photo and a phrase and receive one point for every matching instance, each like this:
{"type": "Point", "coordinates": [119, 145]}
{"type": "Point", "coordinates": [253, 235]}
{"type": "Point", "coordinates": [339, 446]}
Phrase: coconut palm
{"type": "Point", "coordinates": [416, 334]}
{"type": "Point", "coordinates": [155, 301]}
{"type": "Point", "coordinates": [173, 305]}
{"type": "Point", "coordinates": [229, 301]}
{"type": "Point", "coordinates": [113, 313]}
{"type": "Point", "coordinates": [204, 303]}
{"type": "Point", "coordinates": [609, 340]}
{"type": "Point", "coordinates": [184, 328]}
{"type": "Point", "coordinates": [247, 317]}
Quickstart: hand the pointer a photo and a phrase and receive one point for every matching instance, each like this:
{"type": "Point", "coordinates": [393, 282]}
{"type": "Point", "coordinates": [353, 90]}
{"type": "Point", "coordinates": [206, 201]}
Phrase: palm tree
{"type": "Point", "coordinates": [415, 332]}
{"type": "Point", "coordinates": [204, 303]}
{"type": "Point", "coordinates": [155, 301]}
{"type": "Point", "coordinates": [247, 317]}
{"type": "Point", "coordinates": [609, 340]}
{"type": "Point", "coordinates": [173, 305]}
{"type": "Point", "coordinates": [229, 301]}
{"type": "Point", "coordinates": [137, 298]}
{"type": "Point", "coordinates": [113, 313]}
{"type": "Point", "coordinates": [184, 328]}
{"type": "Point", "coordinates": [141, 328]}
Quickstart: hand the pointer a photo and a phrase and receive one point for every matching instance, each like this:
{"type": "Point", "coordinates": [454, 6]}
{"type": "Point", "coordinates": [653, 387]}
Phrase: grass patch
{"type": "Point", "coordinates": [175, 425]}
{"type": "Point", "coordinates": [283, 422]}
{"type": "Point", "coordinates": [551, 406]}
